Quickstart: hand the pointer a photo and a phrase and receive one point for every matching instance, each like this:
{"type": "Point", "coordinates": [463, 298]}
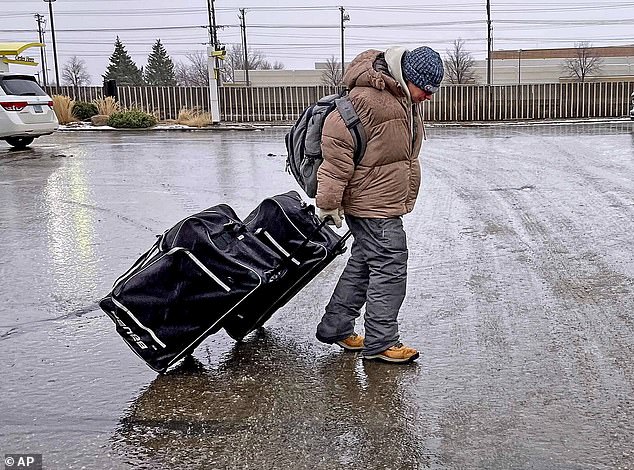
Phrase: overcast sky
{"type": "Point", "coordinates": [303, 32]}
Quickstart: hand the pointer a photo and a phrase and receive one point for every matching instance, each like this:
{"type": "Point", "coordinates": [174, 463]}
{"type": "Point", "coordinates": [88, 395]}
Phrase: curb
{"type": "Point", "coordinates": [260, 127]}
{"type": "Point", "coordinates": [170, 128]}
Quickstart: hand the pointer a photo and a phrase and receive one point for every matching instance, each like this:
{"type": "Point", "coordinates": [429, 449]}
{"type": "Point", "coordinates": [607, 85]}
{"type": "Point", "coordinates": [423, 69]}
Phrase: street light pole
{"type": "Point", "coordinates": [519, 67]}
{"type": "Point", "coordinates": [50, 12]}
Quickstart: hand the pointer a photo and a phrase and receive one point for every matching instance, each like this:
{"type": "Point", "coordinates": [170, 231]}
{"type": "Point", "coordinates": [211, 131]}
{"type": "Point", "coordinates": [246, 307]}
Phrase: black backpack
{"type": "Point", "coordinates": [303, 141]}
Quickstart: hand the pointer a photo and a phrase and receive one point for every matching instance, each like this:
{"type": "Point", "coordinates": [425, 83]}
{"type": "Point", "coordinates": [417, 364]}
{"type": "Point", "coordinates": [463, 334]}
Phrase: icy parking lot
{"type": "Point", "coordinates": [520, 299]}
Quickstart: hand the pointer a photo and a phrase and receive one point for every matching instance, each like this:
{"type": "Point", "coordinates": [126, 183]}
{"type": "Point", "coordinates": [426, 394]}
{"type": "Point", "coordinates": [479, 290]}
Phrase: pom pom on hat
{"type": "Point", "coordinates": [423, 67]}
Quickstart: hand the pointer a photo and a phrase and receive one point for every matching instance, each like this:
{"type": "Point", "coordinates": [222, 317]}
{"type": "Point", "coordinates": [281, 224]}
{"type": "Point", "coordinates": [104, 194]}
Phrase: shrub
{"type": "Point", "coordinates": [107, 106]}
{"type": "Point", "coordinates": [83, 110]}
{"type": "Point", "coordinates": [133, 119]}
{"type": "Point", "coordinates": [193, 117]}
{"type": "Point", "coordinates": [63, 107]}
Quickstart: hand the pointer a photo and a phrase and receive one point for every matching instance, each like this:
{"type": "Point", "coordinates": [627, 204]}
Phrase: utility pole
{"type": "Point", "coordinates": [40, 21]}
{"type": "Point", "coordinates": [211, 34]}
{"type": "Point", "coordinates": [243, 27]}
{"type": "Point", "coordinates": [212, 51]}
{"type": "Point", "coordinates": [50, 12]}
{"type": "Point", "coordinates": [213, 24]}
{"type": "Point", "coordinates": [519, 67]}
{"type": "Point", "coordinates": [344, 17]}
{"type": "Point", "coordinates": [214, 38]}
{"type": "Point", "coordinates": [489, 42]}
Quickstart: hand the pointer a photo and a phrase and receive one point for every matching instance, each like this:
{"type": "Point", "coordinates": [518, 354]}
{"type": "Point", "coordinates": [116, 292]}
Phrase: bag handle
{"type": "Point", "coordinates": [339, 247]}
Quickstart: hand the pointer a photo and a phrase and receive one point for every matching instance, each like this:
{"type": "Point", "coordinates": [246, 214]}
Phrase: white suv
{"type": "Point", "coordinates": [26, 111]}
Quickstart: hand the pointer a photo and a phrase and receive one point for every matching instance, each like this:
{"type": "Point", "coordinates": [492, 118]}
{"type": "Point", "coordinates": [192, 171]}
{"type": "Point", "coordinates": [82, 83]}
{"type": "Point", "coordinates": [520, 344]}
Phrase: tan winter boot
{"type": "Point", "coordinates": [396, 354]}
{"type": "Point", "coordinates": [354, 342]}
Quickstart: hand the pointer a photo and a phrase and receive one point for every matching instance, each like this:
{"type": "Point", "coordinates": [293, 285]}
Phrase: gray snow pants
{"type": "Point", "coordinates": [376, 275]}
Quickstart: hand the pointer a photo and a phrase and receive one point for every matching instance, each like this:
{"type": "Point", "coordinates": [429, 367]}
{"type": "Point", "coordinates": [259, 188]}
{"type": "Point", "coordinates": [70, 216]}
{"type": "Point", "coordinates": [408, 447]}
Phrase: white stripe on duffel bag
{"type": "Point", "coordinates": [277, 245]}
{"type": "Point", "coordinates": [204, 268]}
{"type": "Point", "coordinates": [141, 325]}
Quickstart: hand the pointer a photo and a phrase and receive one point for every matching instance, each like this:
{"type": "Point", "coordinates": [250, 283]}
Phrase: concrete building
{"type": "Point", "coordinates": [280, 77]}
{"type": "Point", "coordinates": [509, 67]}
{"type": "Point", "coordinates": [547, 65]}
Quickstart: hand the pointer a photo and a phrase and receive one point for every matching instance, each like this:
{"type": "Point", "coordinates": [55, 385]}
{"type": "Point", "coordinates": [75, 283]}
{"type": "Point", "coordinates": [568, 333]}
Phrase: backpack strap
{"type": "Point", "coordinates": [353, 123]}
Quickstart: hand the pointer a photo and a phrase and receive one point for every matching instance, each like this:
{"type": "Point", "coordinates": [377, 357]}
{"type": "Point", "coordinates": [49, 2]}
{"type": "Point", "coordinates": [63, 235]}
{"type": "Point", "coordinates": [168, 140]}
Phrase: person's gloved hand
{"type": "Point", "coordinates": [336, 214]}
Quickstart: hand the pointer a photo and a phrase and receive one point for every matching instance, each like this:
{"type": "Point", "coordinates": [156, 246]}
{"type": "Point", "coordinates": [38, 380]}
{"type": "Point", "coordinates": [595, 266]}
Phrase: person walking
{"type": "Point", "coordinates": [386, 89]}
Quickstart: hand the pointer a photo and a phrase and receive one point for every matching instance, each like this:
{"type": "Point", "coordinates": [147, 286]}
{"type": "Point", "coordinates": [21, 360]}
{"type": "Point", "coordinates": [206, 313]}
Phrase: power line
{"type": "Point", "coordinates": [262, 34]}
{"type": "Point", "coordinates": [139, 28]}
{"type": "Point", "coordinates": [429, 8]}
{"type": "Point", "coordinates": [462, 23]}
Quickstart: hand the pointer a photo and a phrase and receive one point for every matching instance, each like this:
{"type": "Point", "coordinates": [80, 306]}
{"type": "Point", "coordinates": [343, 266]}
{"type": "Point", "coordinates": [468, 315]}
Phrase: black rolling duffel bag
{"type": "Point", "coordinates": [288, 225]}
{"type": "Point", "coordinates": [211, 270]}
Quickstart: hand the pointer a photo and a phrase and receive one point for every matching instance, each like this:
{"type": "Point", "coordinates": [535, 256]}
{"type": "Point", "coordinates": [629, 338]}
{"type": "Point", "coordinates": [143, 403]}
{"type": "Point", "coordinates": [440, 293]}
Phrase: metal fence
{"type": "Point", "coordinates": [451, 103]}
{"type": "Point", "coordinates": [165, 101]}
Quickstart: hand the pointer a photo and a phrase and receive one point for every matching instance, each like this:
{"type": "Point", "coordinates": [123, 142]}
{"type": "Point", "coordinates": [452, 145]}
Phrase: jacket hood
{"type": "Point", "coordinates": [393, 58]}
{"type": "Point", "coordinates": [361, 73]}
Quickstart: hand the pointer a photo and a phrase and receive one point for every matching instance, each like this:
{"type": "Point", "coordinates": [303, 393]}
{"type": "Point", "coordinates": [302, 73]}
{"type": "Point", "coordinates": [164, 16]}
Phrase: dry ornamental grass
{"type": "Point", "coordinates": [193, 118]}
{"type": "Point", "coordinates": [107, 106]}
{"type": "Point", "coordinates": [63, 107]}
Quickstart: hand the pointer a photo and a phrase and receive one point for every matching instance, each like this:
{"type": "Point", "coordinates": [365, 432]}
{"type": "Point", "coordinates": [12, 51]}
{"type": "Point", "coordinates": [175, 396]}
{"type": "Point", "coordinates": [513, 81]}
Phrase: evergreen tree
{"type": "Point", "coordinates": [122, 68]}
{"type": "Point", "coordinates": [160, 68]}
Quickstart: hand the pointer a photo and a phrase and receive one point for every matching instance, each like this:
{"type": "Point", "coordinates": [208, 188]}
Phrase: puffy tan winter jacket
{"type": "Point", "coordinates": [385, 183]}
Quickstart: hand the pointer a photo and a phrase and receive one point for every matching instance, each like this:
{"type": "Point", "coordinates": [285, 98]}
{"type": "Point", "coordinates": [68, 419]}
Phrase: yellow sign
{"type": "Point", "coordinates": [220, 54]}
{"type": "Point", "coordinates": [15, 49]}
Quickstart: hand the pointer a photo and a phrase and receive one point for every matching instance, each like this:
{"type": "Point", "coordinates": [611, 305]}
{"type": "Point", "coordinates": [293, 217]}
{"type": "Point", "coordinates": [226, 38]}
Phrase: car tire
{"type": "Point", "coordinates": [19, 142]}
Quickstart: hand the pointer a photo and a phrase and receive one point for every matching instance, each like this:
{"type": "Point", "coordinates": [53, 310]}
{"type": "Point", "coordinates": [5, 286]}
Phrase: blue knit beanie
{"type": "Point", "coordinates": [423, 67]}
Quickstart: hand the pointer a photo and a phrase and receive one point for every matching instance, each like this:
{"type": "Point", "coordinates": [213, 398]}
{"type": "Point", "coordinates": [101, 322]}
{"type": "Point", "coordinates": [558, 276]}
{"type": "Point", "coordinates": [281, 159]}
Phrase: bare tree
{"type": "Point", "coordinates": [231, 62]}
{"type": "Point", "coordinates": [234, 60]}
{"type": "Point", "coordinates": [75, 72]}
{"type": "Point", "coordinates": [459, 64]}
{"type": "Point", "coordinates": [194, 72]}
{"type": "Point", "coordinates": [585, 62]}
{"type": "Point", "coordinates": [266, 65]}
{"type": "Point", "coordinates": [332, 73]}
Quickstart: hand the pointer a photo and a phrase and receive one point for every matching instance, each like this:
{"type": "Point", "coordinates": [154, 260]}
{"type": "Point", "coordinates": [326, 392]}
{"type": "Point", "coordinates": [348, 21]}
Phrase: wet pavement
{"type": "Point", "coordinates": [520, 299]}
